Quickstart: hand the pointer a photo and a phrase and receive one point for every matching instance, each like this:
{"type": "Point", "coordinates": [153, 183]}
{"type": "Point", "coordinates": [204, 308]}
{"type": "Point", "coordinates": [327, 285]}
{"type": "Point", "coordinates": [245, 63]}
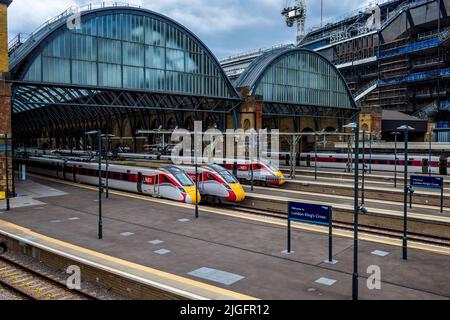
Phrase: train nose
{"type": "Point", "coordinates": [238, 191]}
{"type": "Point", "coordinates": [280, 176]}
{"type": "Point", "coordinates": [191, 198]}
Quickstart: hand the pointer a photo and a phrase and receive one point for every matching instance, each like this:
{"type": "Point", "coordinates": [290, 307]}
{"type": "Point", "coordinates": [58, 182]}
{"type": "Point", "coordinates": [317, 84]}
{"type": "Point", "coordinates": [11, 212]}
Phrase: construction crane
{"type": "Point", "coordinates": [296, 14]}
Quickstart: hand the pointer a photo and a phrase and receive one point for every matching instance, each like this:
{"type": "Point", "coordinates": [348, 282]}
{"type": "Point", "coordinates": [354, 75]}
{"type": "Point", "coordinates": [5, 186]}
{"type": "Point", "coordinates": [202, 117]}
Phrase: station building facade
{"type": "Point", "coordinates": [123, 69]}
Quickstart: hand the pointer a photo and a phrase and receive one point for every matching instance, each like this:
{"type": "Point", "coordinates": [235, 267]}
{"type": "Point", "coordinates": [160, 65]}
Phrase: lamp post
{"type": "Point", "coordinates": [396, 133]}
{"type": "Point", "coordinates": [315, 156]}
{"type": "Point", "coordinates": [370, 152]}
{"type": "Point", "coordinates": [100, 184]}
{"type": "Point", "coordinates": [407, 190]}
{"type": "Point", "coordinates": [107, 136]}
{"type": "Point", "coordinates": [357, 208]}
{"type": "Point", "coordinates": [8, 204]}
{"type": "Point", "coordinates": [429, 152]}
{"type": "Point", "coordinates": [363, 195]}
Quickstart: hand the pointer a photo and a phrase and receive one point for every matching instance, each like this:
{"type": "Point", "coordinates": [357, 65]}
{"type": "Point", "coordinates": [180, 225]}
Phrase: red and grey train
{"type": "Point", "coordinates": [169, 183]}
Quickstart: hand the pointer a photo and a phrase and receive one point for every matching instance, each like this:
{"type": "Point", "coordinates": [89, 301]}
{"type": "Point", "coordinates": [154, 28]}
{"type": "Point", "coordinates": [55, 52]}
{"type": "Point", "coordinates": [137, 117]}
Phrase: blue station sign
{"type": "Point", "coordinates": [427, 182]}
{"type": "Point", "coordinates": [310, 213]}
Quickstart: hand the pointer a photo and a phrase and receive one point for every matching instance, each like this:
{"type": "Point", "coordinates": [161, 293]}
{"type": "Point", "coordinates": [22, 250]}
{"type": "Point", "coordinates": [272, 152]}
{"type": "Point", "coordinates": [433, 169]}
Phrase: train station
{"type": "Point", "coordinates": [136, 165]}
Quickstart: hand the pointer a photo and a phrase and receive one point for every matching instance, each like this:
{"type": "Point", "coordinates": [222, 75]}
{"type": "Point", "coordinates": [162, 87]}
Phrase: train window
{"type": "Point", "coordinates": [228, 177]}
{"type": "Point", "coordinates": [210, 177]}
{"type": "Point", "coordinates": [165, 180]}
{"type": "Point", "coordinates": [184, 180]}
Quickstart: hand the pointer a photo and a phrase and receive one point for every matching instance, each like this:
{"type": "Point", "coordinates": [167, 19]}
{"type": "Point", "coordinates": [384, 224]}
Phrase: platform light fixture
{"type": "Point", "coordinates": [98, 133]}
{"type": "Point", "coordinates": [405, 129]}
{"type": "Point", "coordinates": [396, 134]}
{"type": "Point", "coordinates": [107, 136]}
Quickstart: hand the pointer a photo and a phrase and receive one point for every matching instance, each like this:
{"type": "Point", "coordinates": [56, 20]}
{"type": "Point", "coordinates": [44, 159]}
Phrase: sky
{"type": "Point", "coordinates": [227, 27]}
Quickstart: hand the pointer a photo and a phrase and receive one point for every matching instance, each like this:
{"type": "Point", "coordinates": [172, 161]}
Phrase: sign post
{"type": "Point", "coordinates": [312, 214]}
{"type": "Point", "coordinates": [426, 182]}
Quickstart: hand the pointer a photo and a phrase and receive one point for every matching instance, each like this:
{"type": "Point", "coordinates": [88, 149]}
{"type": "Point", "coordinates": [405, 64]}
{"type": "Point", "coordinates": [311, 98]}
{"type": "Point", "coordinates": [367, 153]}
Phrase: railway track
{"type": "Point", "coordinates": [29, 284]}
{"type": "Point", "coordinates": [383, 232]}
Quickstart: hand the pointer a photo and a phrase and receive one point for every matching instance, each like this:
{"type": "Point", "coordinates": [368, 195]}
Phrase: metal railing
{"type": "Point", "coordinates": [394, 14]}
{"type": "Point", "coordinates": [358, 94]}
{"type": "Point", "coordinates": [425, 112]}
{"type": "Point", "coordinates": [256, 52]}
{"type": "Point", "coordinates": [47, 25]}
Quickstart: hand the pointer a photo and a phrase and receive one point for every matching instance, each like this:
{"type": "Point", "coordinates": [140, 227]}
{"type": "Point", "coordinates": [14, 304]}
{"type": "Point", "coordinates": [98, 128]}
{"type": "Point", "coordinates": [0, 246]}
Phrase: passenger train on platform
{"type": "Point", "coordinates": [215, 181]}
{"type": "Point", "coordinates": [378, 162]}
{"type": "Point", "coordinates": [262, 171]}
{"type": "Point", "coordinates": [169, 183]}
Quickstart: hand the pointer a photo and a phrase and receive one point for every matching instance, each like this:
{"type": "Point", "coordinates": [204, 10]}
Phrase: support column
{"type": "Point", "coordinates": [251, 111]}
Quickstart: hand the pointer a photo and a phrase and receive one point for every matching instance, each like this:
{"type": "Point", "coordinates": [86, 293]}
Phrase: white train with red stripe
{"type": "Point", "coordinates": [379, 162]}
{"type": "Point", "coordinates": [262, 171]}
{"type": "Point", "coordinates": [217, 182]}
{"type": "Point", "coordinates": [168, 183]}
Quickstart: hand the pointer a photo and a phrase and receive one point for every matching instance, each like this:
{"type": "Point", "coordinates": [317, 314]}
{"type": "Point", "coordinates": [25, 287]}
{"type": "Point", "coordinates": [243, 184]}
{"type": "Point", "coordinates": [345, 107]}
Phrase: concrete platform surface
{"type": "Point", "coordinates": [239, 253]}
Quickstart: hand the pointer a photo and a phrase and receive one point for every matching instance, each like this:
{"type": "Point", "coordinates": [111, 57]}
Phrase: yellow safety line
{"type": "Point", "coordinates": [368, 188]}
{"type": "Point", "coordinates": [347, 207]}
{"type": "Point", "coordinates": [421, 206]}
{"type": "Point", "coordinates": [350, 181]}
{"type": "Point", "coordinates": [296, 225]}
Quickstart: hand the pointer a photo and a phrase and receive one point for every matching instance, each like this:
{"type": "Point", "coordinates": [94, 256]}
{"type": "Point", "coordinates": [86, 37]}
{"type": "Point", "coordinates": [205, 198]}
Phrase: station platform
{"type": "Point", "coordinates": [223, 254]}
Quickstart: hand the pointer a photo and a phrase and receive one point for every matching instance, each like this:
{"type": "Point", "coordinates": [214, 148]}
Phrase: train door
{"type": "Point", "coordinates": [74, 171]}
{"type": "Point", "coordinates": [201, 181]}
{"type": "Point", "coordinates": [139, 182]}
{"type": "Point", "coordinates": [443, 166]}
{"type": "Point", "coordinates": [308, 161]}
{"type": "Point", "coordinates": [156, 185]}
{"type": "Point", "coordinates": [426, 166]}
{"type": "Point", "coordinates": [64, 171]}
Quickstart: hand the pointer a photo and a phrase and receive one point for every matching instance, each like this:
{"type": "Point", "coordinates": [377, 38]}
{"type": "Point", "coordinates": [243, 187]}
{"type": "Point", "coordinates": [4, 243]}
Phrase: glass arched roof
{"type": "Point", "coordinates": [297, 77]}
{"type": "Point", "coordinates": [120, 48]}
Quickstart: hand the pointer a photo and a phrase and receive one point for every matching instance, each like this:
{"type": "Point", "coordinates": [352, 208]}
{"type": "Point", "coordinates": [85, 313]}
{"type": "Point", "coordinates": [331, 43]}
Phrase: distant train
{"type": "Point", "coordinates": [262, 171]}
{"type": "Point", "coordinates": [378, 162]}
{"type": "Point", "coordinates": [169, 183]}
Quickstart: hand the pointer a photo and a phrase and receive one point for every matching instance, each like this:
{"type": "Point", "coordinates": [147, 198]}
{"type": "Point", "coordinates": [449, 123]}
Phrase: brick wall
{"type": "Point", "coordinates": [5, 127]}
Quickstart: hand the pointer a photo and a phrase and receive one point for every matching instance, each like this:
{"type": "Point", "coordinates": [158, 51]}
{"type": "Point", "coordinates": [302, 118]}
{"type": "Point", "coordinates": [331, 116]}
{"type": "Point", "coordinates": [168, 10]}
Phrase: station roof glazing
{"type": "Point", "coordinates": [299, 78]}
{"type": "Point", "coordinates": [118, 56]}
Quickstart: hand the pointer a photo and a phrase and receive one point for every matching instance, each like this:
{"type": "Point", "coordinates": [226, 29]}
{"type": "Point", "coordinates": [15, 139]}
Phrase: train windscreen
{"type": "Point", "coordinates": [228, 177]}
{"type": "Point", "coordinates": [181, 176]}
{"type": "Point", "coordinates": [270, 166]}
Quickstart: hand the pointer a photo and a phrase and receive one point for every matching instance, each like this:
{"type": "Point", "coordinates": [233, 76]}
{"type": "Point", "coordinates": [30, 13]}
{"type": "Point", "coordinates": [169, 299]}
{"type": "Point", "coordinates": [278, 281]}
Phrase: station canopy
{"type": "Point", "coordinates": [294, 81]}
{"type": "Point", "coordinates": [115, 59]}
